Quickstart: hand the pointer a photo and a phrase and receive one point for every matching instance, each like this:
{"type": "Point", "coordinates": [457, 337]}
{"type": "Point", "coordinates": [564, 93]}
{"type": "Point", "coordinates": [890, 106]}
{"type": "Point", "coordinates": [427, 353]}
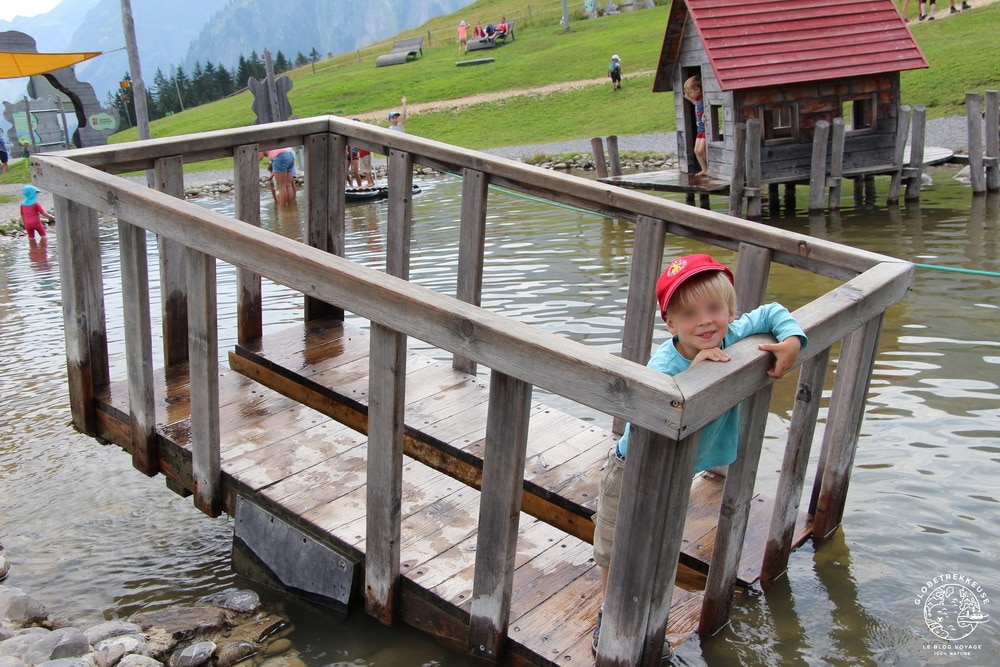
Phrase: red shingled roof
{"type": "Point", "coordinates": [762, 43]}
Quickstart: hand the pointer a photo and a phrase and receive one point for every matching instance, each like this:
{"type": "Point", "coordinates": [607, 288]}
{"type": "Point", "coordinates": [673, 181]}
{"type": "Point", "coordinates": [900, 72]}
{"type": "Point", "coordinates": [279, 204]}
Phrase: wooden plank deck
{"type": "Point", "coordinates": [309, 469]}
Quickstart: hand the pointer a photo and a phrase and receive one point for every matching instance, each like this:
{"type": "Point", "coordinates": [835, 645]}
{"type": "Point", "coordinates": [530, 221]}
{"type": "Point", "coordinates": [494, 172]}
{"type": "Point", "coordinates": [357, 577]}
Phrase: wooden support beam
{"type": "Point", "coordinates": [836, 162]}
{"type": "Point", "coordinates": [400, 220]}
{"type": "Point", "coordinates": [600, 163]}
{"type": "Point", "coordinates": [326, 174]}
{"type": "Point", "coordinates": [169, 174]}
{"type": "Point", "coordinates": [817, 168]}
{"type": "Point", "coordinates": [755, 208]}
{"type": "Point", "coordinates": [913, 175]}
{"type": "Point", "coordinates": [895, 183]}
{"type": "Point", "coordinates": [499, 511]}
{"type": "Point", "coordinates": [138, 347]}
{"type": "Point", "coordinates": [739, 170]}
{"type": "Point", "coordinates": [974, 121]}
{"type": "Point", "coordinates": [246, 176]}
{"type": "Point", "coordinates": [471, 244]}
{"type": "Point", "coordinates": [614, 159]}
{"type": "Point", "coordinates": [992, 122]}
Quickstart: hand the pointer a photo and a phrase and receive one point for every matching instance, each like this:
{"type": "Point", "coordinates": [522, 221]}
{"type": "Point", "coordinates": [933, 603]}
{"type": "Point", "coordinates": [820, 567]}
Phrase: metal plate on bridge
{"type": "Point", "coordinates": [297, 560]}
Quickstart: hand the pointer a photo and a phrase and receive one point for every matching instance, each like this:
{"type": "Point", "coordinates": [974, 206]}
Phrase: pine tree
{"type": "Point", "coordinates": [281, 63]}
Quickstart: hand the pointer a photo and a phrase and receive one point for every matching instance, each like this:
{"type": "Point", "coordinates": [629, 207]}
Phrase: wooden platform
{"type": "Point", "coordinates": [309, 469]}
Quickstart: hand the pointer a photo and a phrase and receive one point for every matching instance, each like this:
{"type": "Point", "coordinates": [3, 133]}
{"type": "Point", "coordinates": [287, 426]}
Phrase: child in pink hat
{"type": "Point", "coordinates": [32, 213]}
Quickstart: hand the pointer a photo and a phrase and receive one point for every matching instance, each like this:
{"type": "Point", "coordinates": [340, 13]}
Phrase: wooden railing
{"type": "Point", "coordinates": [666, 412]}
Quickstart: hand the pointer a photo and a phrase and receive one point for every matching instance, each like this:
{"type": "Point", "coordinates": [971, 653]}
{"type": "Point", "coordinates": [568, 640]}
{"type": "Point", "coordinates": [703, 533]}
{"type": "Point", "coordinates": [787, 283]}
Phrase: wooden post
{"type": "Point", "coordinates": [975, 125]}
{"type": "Point", "coordinates": [471, 244]}
{"type": "Point", "coordinates": [325, 224]}
{"type": "Point", "coordinates": [916, 170]}
{"type": "Point", "coordinates": [203, 341]}
{"type": "Point", "coordinates": [647, 544]}
{"type": "Point", "coordinates": [169, 175]}
{"type": "Point", "coordinates": [400, 219]}
{"type": "Point", "coordinates": [138, 348]}
{"type": "Point", "coordinates": [753, 267]}
{"type": "Point", "coordinates": [817, 168]}
{"type": "Point", "coordinates": [752, 191]}
{"type": "Point", "coordinates": [992, 140]}
{"type": "Point", "coordinates": [902, 131]}
{"type": "Point", "coordinates": [843, 425]}
{"type": "Point", "coordinates": [246, 174]}
{"type": "Point", "coordinates": [387, 397]}
{"type": "Point", "coordinates": [793, 467]}
{"type": "Point", "coordinates": [640, 306]}
{"type": "Point", "coordinates": [836, 162]}
{"type": "Point", "coordinates": [597, 147]}
{"type": "Point", "coordinates": [496, 540]}
{"type": "Point", "coordinates": [614, 158]}
{"type": "Point", "coordinates": [82, 288]}
{"type": "Point", "coordinates": [739, 170]}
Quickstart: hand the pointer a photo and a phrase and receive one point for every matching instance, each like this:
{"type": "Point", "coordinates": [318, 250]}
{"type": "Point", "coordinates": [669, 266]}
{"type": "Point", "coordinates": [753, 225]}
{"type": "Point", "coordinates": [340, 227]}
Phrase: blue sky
{"type": "Point", "coordinates": [11, 8]}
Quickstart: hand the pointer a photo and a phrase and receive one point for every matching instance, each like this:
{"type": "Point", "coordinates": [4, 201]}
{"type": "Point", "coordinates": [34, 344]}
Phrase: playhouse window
{"type": "Point", "coordinates": [859, 113]}
{"type": "Point", "coordinates": [716, 131]}
{"type": "Point", "coordinates": [780, 122]}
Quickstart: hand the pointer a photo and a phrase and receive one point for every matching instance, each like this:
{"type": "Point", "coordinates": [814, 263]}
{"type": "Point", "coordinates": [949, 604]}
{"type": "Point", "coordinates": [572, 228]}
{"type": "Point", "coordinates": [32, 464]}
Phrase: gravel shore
{"type": "Point", "coordinates": [950, 133]}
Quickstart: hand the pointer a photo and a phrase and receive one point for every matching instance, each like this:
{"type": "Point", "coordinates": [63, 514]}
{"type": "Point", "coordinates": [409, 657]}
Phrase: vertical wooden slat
{"type": "Point", "coordinates": [203, 344]}
{"type": "Point", "coordinates": [471, 244]}
{"type": "Point", "coordinates": [246, 174]}
{"type": "Point", "coordinates": [640, 307]}
{"type": "Point", "coordinates": [138, 347]}
{"type": "Point", "coordinates": [817, 168]}
{"type": "Point", "coordinates": [836, 162]}
{"type": "Point", "coordinates": [914, 181]}
{"type": "Point", "coordinates": [753, 268]}
{"type": "Point", "coordinates": [325, 226]}
{"type": "Point", "coordinates": [902, 133]}
{"type": "Point", "coordinates": [847, 407]}
{"type": "Point", "coordinates": [400, 218]}
{"type": "Point", "coordinates": [499, 511]}
{"type": "Point", "coordinates": [793, 467]}
{"type": "Point", "coordinates": [169, 173]}
{"type": "Point", "coordinates": [992, 122]}
{"type": "Point", "coordinates": [387, 393]}
{"type": "Point", "coordinates": [974, 119]}
{"type": "Point", "coordinates": [753, 169]}
{"type": "Point", "coordinates": [646, 548]}
{"type": "Point", "coordinates": [739, 170]}
{"type": "Point", "coordinates": [736, 499]}
{"type": "Point", "coordinates": [83, 308]}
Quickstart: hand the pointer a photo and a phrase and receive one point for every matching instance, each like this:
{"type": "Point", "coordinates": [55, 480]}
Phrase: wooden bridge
{"type": "Point", "coordinates": [337, 448]}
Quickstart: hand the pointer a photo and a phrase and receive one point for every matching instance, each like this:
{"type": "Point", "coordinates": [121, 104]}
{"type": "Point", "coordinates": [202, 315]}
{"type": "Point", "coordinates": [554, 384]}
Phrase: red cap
{"type": "Point", "coordinates": [680, 270]}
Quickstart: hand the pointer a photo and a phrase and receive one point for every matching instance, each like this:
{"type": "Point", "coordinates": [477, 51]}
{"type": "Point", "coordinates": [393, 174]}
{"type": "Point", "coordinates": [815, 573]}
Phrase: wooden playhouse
{"type": "Point", "coordinates": [790, 63]}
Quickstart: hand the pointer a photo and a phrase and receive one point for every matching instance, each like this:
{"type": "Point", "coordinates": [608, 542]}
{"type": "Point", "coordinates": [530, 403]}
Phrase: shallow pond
{"type": "Point", "coordinates": [93, 539]}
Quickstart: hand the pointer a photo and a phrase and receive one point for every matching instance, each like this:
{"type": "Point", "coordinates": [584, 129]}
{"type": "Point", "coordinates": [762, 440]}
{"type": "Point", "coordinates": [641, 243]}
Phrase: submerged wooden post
{"type": "Point", "coordinates": [138, 348]}
{"type": "Point", "coordinates": [753, 186]}
{"type": "Point", "coordinates": [82, 288]}
{"type": "Point", "coordinates": [600, 164]}
{"type": "Point", "coordinates": [899, 150]}
{"type": "Point", "coordinates": [203, 342]}
{"type": "Point", "coordinates": [739, 170]}
{"type": "Point", "coordinates": [916, 170]}
{"type": "Point", "coordinates": [614, 159]}
{"type": "Point", "coordinates": [471, 244]}
{"type": "Point", "coordinates": [169, 175]}
{"type": "Point", "coordinates": [325, 225]}
{"type": "Point", "coordinates": [798, 445]}
{"type": "Point", "coordinates": [977, 176]}
{"type": "Point", "coordinates": [817, 168]}
{"type": "Point", "coordinates": [499, 512]}
{"type": "Point", "coordinates": [992, 119]}
{"type": "Point", "coordinates": [836, 162]}
{"type": "Point", "coordinates": [843, 426]}
{"type": "Point", "coordinates": [246, 176]}
{"type": "Point", "coordinates": [640, 306]}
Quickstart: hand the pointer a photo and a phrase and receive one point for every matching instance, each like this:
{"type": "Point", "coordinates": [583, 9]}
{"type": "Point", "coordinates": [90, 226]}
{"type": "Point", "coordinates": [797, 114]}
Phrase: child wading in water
{"type": "Point", "coordinates": [615, 72]}
{"type": "Point", "coordinates": [692, 93]}
{"type": "Point", "coordinates": [698, 303]}
{"type": "Point", "coordinates": [32, 213]}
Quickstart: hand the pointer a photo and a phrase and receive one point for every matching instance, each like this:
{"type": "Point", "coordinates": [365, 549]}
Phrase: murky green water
{"type": "Point", "coordinates": [93, 539]}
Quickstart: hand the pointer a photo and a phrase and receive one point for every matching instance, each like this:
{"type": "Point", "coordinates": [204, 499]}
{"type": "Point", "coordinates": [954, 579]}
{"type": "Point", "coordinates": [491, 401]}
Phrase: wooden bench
{"type": "Point", "coordinates": [403, 50]}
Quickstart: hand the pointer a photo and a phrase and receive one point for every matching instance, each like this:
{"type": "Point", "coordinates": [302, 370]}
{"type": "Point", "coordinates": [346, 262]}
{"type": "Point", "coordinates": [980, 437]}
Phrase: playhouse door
{"type": "Point", "coordinates": [687, 127]}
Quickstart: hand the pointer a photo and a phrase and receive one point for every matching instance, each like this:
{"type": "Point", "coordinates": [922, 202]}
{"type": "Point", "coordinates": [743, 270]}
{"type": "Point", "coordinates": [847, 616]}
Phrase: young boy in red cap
{"type": "Point", "coordinates": [698, 303]}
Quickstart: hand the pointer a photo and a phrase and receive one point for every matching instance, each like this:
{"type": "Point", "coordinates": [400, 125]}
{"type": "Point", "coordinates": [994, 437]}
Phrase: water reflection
{"type": "Point", "coordinates": [101, 540]}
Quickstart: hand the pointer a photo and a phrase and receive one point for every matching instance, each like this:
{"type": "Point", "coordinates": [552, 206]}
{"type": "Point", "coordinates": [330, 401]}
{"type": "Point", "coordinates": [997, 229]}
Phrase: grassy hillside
{"type": "Point", "coordinates": [959, 50]}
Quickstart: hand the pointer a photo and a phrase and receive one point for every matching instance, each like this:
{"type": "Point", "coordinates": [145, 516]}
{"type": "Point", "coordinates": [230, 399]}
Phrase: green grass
{"type": "Point", "coordinates": [959, 50]}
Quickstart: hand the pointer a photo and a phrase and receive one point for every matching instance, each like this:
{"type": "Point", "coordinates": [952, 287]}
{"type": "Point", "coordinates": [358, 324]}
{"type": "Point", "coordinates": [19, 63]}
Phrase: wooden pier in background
{"type": "Point", "coordinates": [355, 468]}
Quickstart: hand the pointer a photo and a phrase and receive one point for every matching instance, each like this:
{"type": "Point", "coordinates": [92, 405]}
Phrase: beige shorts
{"type": "Point", "coordinates": [606, 517]}
{"type": "Point", "coordinates": [365, 164]}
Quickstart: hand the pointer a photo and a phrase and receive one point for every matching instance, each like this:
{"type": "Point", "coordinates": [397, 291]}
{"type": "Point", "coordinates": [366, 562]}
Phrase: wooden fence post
{"type": "Point", "coordinates": [600, 164]}
{"type": "Point", "coordinates": [836, 162]}
{"type": "Point", "coordinates": [169, 174]}
{"type": "Point", "coordinates": [246, 175]}
{"type": "Point", "coordinates": [752, 191]}
{"type": "Point", "coordinates": [325, 225]}
{"type": "Point", "coordinates": [977, 175]}
{"type": "Point", "coordinates": [471, 242]}
{"type": "Point", "coordinates": [817, 168]}
{"type": "Point", "coordinates": [916, 170]}
{"type": "Point", "coordinates": [614, 158]}
{"type": "Point", "coordinates": [992, 160]}
{"type": "Point", "coordinates": [739, 170]}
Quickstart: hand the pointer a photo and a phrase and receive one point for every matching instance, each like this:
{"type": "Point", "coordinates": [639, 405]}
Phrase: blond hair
{"type": "Point", "coordinates": [692, 84]}
{"type": "Point", "coordinates": [707, 286]}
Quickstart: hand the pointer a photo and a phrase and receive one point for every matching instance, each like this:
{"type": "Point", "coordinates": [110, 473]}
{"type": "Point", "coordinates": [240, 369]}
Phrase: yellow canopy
{"type": "Point", "coordinates": [15, 64]}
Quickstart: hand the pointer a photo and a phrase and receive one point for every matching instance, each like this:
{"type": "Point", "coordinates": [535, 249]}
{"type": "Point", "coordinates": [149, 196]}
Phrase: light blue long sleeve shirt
{"type": "Point", "coordinates": [717, 440]}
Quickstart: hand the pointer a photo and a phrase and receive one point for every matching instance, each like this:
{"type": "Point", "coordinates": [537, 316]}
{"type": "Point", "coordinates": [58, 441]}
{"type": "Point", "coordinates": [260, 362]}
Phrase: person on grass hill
{"type": "Point", "coordinates": [697, 302]}
{"type": "Point", "coordinates": [615, 72]}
